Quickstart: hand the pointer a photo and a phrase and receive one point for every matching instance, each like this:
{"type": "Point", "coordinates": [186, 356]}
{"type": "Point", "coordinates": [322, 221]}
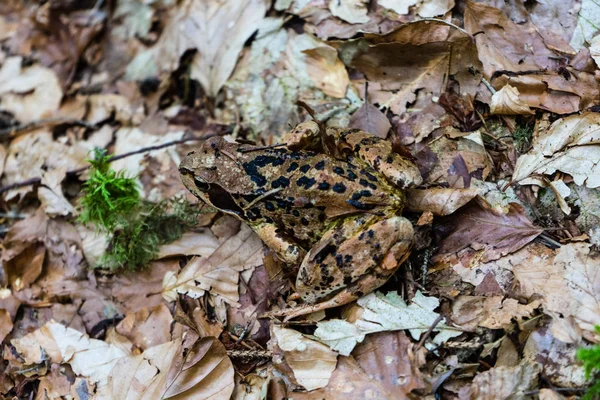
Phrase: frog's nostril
{"type": "Point", "coordinates": [191, 152]}
{"type": "Point", "coordinates": [184, 171]}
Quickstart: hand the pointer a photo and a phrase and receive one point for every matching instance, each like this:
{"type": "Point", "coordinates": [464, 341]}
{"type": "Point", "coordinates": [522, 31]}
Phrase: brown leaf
{"type": "Point", "coordinates": [388, 357]}
{"type": "Point", "coordinates": [489, 312]}
{"type": "Point", "coordinates": [438, 201]}
{"type": "Point", "coordinates": [148, 327]}
{"type": "Point", "coordinates": [506, 101]}
{"type": "Point", "coordinates": [369, 119]}
{"type": "Point", "coordinates": [503, 382]}
{"type": "Point", "coordinates": [204, 373]}
{"type": "Point", "coordinates": [6, 324]}
{"type": "Point", "coordinates": [327, 71]}
{"type": "Point", "coordinates": [484, 229]}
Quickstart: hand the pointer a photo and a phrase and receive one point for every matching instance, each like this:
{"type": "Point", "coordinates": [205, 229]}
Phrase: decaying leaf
{"type": "Point", "coordinates": [494, 312]}
{"type": "Point", "coordinates": [570, 145]}
{"type": "Point", "coordinates": [327, 71]}
{"type": "Point", "coordinates": [438, 201]}
{"type": "Point", "coordinates": [568, 281]}
{"type": "Point", "coordinates": [352, 11]}
{"type": "Point", "coordinates": [51, 196]}
{"type": "Point", "coordinates": [219, 273]}
{"type": "Point", "coordinates": [384, 313]}
{"type": "Point", "coordinates": [506, 101]}
{"type": "Point", "coordinates": [491, 232]}
{"type": "Point", "coordinates": [148, 327]}
{"type": "Point", "coordinates": [503, 382]}
{"type": "Point", "coordinates": [29, 93]}
{"type": "Point", "coordinates": [369, 119]}
{"type": "Point", "coordinates": [312, 362]}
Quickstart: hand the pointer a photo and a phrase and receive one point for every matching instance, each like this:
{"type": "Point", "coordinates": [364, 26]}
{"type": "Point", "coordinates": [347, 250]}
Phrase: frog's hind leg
{"type": "Point", "coordinates": [285, 249]}
{"type": "Point", "coordinates": [350, 261]}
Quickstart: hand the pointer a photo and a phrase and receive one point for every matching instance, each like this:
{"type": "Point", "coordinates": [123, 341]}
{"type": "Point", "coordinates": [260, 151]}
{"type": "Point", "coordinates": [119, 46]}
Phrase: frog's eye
{"type": "Point", "coordinates": [201, 184]}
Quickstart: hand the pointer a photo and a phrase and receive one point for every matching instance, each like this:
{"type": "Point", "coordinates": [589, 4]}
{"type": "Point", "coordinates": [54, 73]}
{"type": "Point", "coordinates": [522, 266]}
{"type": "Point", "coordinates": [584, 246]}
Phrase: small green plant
{"type": "Point", "coordinates": [111, 202]}
{"type": "Point", "coordinates": [522, 138]}
{"type": "Point", "coordinates": [591, 362]}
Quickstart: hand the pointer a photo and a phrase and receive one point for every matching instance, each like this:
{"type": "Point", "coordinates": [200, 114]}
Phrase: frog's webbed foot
{"type": "Point", "coordinates": [305, 136]}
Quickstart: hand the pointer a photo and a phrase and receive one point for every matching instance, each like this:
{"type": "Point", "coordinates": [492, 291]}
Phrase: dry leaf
{"type": "Point", "coordinates": [148, 327]}
{"type": "Point", "coordinates": [369, 119]}
{"type": "Point", "coordinates": [384, 313]}
{"type": "Point", "coordinates": [219, 273]}
{"type": "Point", "coordinates": [6, 324]}
{"type": "Point", "coordinates": [206, 372]}
{"type": "Point", "coordinates": [438, 201]}
{"type": "Point", "coordinates": [312, 362]}
{"type": "Point", "coordinates": [570, 145]}
{"type": "Point", "coordinates": [191, 244]}
{"type": "Point", "coordinates": [327, 71]}
{"type": "Point", "coordinates": [488, 231]}
{"type": "Point", "coordinates": [568, 281]}
{"type": "Point", "coordinates": [506, 102]}
{"type": "Point", "coordinates": [51, 195]}
{"type": "Point", "coordinates": [495, 312]}
{"type": "Point", "coordinates": [503, 382]}
{"type": "Point", "coordinates": [352, 11]}
{"type": "Point", "coordinates": [29, 93]}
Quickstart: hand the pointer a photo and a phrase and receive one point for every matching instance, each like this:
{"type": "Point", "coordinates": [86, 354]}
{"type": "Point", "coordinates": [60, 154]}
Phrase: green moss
{"type": "Point", "coordinates": [591, 362]}
{"type": "Point", "coordinates": [111, 202]}
{"type": "Point", "coordinates": [522, 138]}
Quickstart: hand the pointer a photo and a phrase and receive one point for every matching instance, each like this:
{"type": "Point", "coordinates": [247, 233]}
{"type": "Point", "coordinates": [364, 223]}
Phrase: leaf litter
{"type": "Point", "coordinates": [496, 103]}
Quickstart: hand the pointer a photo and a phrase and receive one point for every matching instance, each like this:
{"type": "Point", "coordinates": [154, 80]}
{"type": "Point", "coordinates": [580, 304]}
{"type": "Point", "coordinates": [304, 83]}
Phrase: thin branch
{"type": "Point", "coordinates": [429, 331]}
{"type": "Point", "coordinates": [14, 131]}
{"type": "Point", "coordinates": [35, 181]}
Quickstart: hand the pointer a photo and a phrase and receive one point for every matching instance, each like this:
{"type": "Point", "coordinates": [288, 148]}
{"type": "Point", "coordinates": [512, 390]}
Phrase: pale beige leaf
{"type": "Point", "coordinates": [30, 93]}
{"type": "Point", "coordinates": [438, 201]}
{"type": "Point", "coordinates": [506, 102]}
{"type": "Point", "coordinates": [141, 377]}
{"type": "Point", "coordinates": [103, 106]}
{"type": "Point", "coordinates": [398, 6]}
{"type": "Point", "coordinates": [6, 324]}
{"type": "Point", "coordinates": [326, 71]}
{"type": "Point", "coordinates": [501, 383]}
{"type": "Point", "coordinates": [385, 313]}
{"type": "Point", "coordinates": [51, 196]}
{"type": "Point", "coordinates": [312, 362]}
{"type": "Point", "coordinates": [352, 11]}
{"type": "Point", "coordinates": [191, 243]}
{"type": "Point", "coordinates": [494, 312]}
{"type": "Point", "coordinates": [148, 327]}
{"type": "Point", "coordinates": [90, 358]}
{"type": "Point", "coordinates": [219, 273]}
{"type": "Point", "coordinates": [568, 281]}
{"type": "Point", "coordinates": [570, 145]}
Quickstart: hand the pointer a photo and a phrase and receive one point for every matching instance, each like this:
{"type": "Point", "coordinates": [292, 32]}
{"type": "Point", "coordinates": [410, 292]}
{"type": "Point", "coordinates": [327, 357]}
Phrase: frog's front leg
{"type": "Point", "coordinates": [350, 261]}
{"type": "Point", "coordinates": [305, 136]}
{"type": "Point", "coordinates": [285, 249]}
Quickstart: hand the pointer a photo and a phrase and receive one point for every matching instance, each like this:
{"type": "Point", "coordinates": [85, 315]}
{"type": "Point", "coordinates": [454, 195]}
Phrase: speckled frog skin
{"type": "Point", "coordinates": [335, 212]}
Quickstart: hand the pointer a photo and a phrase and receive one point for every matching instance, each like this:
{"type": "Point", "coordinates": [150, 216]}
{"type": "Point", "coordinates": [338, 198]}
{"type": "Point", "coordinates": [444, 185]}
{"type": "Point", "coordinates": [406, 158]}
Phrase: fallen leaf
{"type": "Point", "coordinates": [506, 102]}
{"type": "Point", "coordinates": [570, 145]}
{"type": "Point", "coordinates": [51, 196]}
{"type": "Point", "coordinates": [389, 359]}
{"type": "Point", "coordinates": [217, 29]}
{"type": "Point", "coordinates": [369, 119]}
{"type": "Point", "coordinates": [470, 312]}
{"type": "Point", "coordinates": [54, 385]}
{"type": "Point", "coordinates": [352, 11]}
{"type": "Point", "coordinates": [488, 231]}
{"type": "Point", "coordinates": [190, 243]}
{"type": "Point", "coordinates": [219, 273]}
{"type": "Point", "coordinates": [90, 358]}
{"type": "Point", "coordinates": [29, 93]}
{"type": "Point", "coordinates": [6, 324]}
{"type": "Point", "coordinates": [327, 71]}
{"type": "Point", "coordinates": [503, 382]}
{"type": "Point", "coordinates": [147, 327]}
{"type": "Point", "coordinates": [384, 313]}
{"type": "Point", "coordinates": [312, 362]}
{"type": "Point", "coordinates": [438, 201]}
{"type": "Point", "coordinates": [204, 372]}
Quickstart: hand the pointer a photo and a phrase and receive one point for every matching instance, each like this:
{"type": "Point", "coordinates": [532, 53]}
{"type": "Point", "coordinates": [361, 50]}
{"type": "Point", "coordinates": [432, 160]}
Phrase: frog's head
{"type": "Point", "coordinates": [202, 173]}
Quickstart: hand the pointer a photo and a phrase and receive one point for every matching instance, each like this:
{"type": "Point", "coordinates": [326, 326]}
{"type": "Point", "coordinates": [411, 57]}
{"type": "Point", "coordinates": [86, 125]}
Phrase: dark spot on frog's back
{"type": "Point", "coordinates": [306, 182]}
{"type": "Point", "coordinates": [280, 182]}
{"type": "Point", "coordinates": [324, 186]}
{"type": "Point", "coordinates": [292, 167]}
{"type": "Point", "coordinates": [339, 188]}
{"type": "Point", "coordinates": [320, 165]}
{"type": "Point", "coordinates": [305, 168]}
{"type": "Point", "coordinates": [324, 252]}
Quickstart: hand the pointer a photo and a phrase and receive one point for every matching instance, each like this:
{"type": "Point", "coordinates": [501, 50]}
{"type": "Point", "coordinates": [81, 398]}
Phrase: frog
{"type": "Point", "coordinates": [327, 201]}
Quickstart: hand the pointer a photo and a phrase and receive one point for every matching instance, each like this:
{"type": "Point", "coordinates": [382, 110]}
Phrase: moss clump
{"type": "Point", "coordinates": [112, 203]}
{"type": "Point", "coordinates": [522, 138]}
{"type": "Point", "coordinates": [591, 362]}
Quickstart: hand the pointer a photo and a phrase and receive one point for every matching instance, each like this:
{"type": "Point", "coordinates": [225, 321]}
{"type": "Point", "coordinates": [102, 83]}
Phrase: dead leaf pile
{"type": "Point", "coordinates": [495, 102]}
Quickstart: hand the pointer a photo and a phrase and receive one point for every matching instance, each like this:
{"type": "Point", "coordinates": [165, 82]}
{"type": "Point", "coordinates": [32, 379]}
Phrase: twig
{"type": "Point", "coordinates": [428, 333]}
{"type": "Point", "coordinates": [15, 131]}
{"type": "Point", "coordinates": [35, 181]}
{"type": "Point", "coordinates": [452, 25]}
{"type": "Point", "coordinates": [488, 85]}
